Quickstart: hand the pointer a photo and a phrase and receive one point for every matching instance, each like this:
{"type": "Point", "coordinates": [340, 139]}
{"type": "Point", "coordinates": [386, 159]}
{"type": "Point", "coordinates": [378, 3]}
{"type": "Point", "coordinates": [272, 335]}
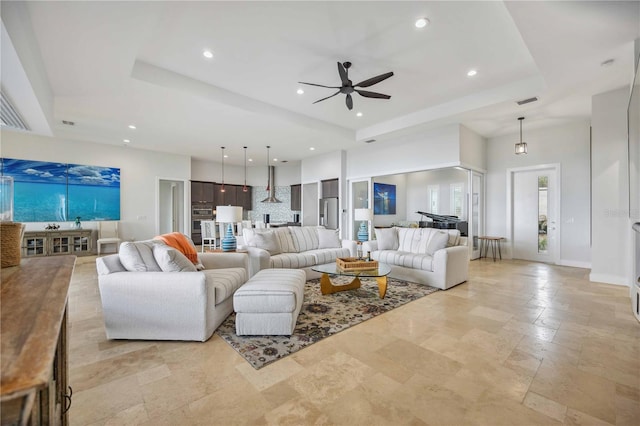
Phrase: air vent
{"type": "Point", "coordinates": [68, 123]}
{"type": "Point", "coordinates": [526, 101]}
{"type": "Point", "coordinates": [370, 141]}
{"type": "Point", "coordinates": [9, 116]}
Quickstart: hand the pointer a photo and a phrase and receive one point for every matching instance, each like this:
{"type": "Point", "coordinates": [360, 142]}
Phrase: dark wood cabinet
{"type": "Point", "coordinates": [202, 192]}
{"type": "Point", "coordinates": [244, 198]}
{"type": "Point", "coordinates": [330, 188]}
{"type": "Point", "coordinates": [229, 196]}
{"type": "Point", "coordinates": [296, 197]}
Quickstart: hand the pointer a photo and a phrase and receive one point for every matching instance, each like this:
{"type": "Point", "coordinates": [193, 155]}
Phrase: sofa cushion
{"type": "Point", "coordinates": [305, 238]}
{"type": "Point", "coordinates": [437, 242]}
{"type": "Point", "coordinates": [286, 240]}
{"type": "Point", "coordinates": [454, 237]}
{"type": "Point", "coordinates": [248, 235]}
{"type": "Point", "coordinates": [423, 262]}
{"type": "Point", "coordinates": [267, 241]}
{"type": "Point", "coordinates": [387, 238]}
{"type": "Point", "coordinates": [224, 282]}
{"type": "Point", "coordinates": [138, 256]}
{"type": "Point", "coordinates": [328, 238]}
{"type": "Point", "coordinates": [171, 260]}
{"type": "Point", "coordinates": [328, 255]}
{"type": "Point", "coordinates": [409, 239]}
{"type": "Point", "coordinates": [391, 257]}
{"type": "Point", "coordinates": [292, 260]}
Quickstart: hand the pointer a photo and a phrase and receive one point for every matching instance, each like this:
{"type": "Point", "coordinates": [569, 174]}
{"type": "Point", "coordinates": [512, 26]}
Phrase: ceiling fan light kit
{"type": "Point", "coordinates": [348, 87]}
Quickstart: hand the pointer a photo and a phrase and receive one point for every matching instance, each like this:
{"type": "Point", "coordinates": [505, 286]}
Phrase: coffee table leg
{"type": "Point", "coordinates": [327, 287]}
{"type": "Point", "coordinates": [382, 286]}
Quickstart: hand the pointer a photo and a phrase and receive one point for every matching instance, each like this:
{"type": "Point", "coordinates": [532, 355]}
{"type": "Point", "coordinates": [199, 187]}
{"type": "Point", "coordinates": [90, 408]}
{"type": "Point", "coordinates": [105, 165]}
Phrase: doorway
{"type": "Point", "coordinates": [534, 204]}
{"type": "Point", "coordinates": [172, 213]}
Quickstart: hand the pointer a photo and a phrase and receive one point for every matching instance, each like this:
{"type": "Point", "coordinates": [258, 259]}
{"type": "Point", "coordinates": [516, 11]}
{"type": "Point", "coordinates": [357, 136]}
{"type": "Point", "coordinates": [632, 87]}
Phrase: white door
{"type": "Point", "coordinates": [477, 208]}
{"type": "Point", "coordinates": [534, 214]}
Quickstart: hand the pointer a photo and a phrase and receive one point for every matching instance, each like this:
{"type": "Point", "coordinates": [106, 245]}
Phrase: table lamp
{"type": "Point", "coordinates": [229, 215]}
{"type": "Point", "coordinates": [365, 215]}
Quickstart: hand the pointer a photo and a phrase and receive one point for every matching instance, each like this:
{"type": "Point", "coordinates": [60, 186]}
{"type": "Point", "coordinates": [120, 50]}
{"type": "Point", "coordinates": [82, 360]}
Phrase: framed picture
{"type": "Point", "coordinates": [384, 198]}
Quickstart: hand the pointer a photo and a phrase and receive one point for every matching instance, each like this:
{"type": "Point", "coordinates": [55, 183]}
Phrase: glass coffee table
{"type": "Point", "coordinates": [327, 287]}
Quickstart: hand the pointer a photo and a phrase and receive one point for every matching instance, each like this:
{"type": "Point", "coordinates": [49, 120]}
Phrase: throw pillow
{"type": "Point", "coordinates": [267, 241]}
{"type": "Point", "coordinates": [387, 238]}
{"type": "Point", "coordinates": [171, 260]}
{"type": "Point", "coordinates": [138, 256]}
{"type": "Point", "coordinates": [438, 241]}
{"type": "Point", "coordinates": [328, 238]}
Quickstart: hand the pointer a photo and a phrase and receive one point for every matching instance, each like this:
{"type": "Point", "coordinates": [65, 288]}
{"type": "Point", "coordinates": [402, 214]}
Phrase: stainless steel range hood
{"type": "Point", "coordinates": [272, 187]}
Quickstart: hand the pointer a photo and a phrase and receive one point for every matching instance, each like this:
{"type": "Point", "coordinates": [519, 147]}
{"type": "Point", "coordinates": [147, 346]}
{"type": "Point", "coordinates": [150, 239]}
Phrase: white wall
{"type": "Point", "coordinates": [322, 167]}
{"type": "Point", "coordinates": [139, 171]}
{"type": "Point", "coordinates": [430, 149]}
{"type": "Point", "coordinates": [565, 144]}
{"type": "Point", "coordinates": [610, 202]}
{"type": "Point", "coordinates": [473, 149]}
{"type": "Point", "coordinates": [211, 171]}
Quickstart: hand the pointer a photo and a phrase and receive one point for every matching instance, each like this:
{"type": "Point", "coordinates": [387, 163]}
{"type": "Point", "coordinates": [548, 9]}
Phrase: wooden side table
{"type": "Point", "coordinates": [492, 243]}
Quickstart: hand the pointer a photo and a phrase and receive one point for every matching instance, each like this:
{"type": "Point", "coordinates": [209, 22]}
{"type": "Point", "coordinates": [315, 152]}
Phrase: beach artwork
{"type": "Point", "coordinates": [60, 192]}
{"type": "Point", "coordinates": [384, 198]}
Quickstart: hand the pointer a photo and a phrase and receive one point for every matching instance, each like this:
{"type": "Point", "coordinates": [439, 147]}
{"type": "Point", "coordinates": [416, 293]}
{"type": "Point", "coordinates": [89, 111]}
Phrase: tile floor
{"type": "Point", "coordinates": [518, 344]}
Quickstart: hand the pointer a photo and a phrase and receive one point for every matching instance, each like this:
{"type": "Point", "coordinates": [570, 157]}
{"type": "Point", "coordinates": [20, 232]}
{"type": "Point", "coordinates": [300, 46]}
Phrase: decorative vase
{"type": "Point", "coordinates": [228, 243]}
{"type": "Point", "coordinates": [78, 224]}
{"type": "Point", "coordinates": [363, 234]}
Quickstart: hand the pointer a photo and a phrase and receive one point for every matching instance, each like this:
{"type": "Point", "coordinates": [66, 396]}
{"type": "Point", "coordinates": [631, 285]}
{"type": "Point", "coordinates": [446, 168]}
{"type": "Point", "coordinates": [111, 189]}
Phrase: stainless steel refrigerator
{"type": "Point", "coordinates": [329, 213]}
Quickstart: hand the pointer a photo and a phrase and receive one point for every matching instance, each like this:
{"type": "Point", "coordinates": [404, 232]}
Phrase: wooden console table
{"type": "Point", "coordinates": [33, 350]}
{"type": "Point", "coordinates": [57, 242]}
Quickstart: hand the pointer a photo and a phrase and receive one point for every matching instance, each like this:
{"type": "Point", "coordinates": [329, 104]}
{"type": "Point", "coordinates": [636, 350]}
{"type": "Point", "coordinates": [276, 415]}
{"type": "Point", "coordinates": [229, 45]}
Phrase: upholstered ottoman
{"type": "Point", "coordinates": [269, 303]}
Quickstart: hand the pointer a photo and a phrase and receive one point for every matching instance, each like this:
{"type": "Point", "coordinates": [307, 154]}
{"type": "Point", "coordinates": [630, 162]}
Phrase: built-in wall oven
{"type": "Point", "coordinates": [199, 212]}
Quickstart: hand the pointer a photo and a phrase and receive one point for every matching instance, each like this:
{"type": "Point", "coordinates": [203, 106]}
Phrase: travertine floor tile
{"type": "Point", "coordinates": [519, 344]}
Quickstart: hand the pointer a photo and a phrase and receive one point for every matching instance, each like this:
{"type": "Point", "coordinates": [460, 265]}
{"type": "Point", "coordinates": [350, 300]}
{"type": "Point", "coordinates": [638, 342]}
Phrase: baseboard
{"type": "Point", "coordinates": [609, 279]}
{"type": "Point", "coordinates": [575, 264]}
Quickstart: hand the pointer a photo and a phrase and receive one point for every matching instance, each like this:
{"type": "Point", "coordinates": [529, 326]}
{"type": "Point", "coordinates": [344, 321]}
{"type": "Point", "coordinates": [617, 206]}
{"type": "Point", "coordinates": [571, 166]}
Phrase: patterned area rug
{"type": "Point", "coordinates": [321, 316]}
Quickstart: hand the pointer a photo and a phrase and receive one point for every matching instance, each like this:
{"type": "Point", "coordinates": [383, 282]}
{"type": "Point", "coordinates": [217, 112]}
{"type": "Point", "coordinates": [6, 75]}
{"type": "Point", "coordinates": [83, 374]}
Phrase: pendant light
{"type": "Point", "coordinates": [268, 175]}
{"type": "Point", "coordinates": [244, 188]}
{"type": "Point", "coordinates": [521, 148]}
{"type": "Point", "coordinates": [222, 189]}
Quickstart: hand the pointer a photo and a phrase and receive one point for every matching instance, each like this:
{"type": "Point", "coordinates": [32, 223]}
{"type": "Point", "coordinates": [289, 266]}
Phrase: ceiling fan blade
{"type": "Point", "coordinates": [349, 101]}
{"type": "Point", "coordinates": [374, 80]}
{"type": "Point", "coordinates": [368, 94]}
{"type": "Point", "coordinates": [319, 100]}
{"type": "Point", "coordinates": [343, 74]}
{"type": "Point", "coordinates": [319, 85]}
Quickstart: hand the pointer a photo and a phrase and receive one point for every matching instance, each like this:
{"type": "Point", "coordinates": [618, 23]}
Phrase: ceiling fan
{"type": "Point", "coordinates": [348, 87]}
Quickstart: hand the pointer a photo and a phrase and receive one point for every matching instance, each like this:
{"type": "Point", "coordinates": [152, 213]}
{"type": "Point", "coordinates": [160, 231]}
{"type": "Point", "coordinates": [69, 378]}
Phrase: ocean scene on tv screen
{"type": "Point", "coordinates": [59, 192]}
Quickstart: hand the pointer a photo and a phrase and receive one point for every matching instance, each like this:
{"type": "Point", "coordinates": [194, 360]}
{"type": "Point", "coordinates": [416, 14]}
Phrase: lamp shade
{"type": "Point", "coordinates": [228, 214]}
{"type": "Point", "coordinates": [363, 214]}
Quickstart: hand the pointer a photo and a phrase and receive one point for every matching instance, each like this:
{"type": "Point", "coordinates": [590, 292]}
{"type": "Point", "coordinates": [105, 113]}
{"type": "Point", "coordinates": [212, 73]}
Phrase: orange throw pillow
{"type": "Point", "coordinates": [179, 242]}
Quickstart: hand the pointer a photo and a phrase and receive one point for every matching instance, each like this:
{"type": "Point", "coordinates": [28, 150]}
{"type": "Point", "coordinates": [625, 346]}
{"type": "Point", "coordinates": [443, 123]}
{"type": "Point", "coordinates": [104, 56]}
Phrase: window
{"type": "Point", "coordinates": [542, 213]}
{"type": "Point", "coordinates": [457, 199]}
{"type": "Point", "coordinates": [433, 198]}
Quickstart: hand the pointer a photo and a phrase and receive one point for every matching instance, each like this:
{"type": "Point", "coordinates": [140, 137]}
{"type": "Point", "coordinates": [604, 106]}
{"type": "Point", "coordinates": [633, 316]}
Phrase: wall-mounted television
{"type": "Point", "coordinates": [384, 198]}
{"type": "Point", "coordinates": [59, 192]}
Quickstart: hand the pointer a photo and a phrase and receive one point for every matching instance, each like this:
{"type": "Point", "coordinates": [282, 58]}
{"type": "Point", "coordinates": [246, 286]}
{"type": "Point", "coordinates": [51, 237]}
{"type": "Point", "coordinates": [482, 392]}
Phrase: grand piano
{"type": "Point", "coordinates": [444, 222]}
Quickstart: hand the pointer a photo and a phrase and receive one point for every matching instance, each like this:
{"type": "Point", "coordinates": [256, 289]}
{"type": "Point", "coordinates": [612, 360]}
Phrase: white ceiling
{"type": "Point", "coordinates": [111, 64]}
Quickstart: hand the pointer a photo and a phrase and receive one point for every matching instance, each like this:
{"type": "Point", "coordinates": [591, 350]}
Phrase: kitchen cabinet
{"type": "Point", "coordinates": [202, 192]}
{"type": "Point", "coordinates": [296, 197]}
{"type": "Point", "coordinates": [330, 188]}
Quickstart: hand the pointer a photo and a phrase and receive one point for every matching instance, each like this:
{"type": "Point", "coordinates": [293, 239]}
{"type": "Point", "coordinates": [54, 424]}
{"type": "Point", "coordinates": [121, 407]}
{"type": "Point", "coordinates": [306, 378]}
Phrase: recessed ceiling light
{"type": "Point", "coordinates": [126, 140]}
{"type": "Point", "coordinates": [312, 149]}
{"type": "Point", "coordinates": [226, 156]}
{"type": "Point", "coordinates": [422, 22]}
{"type": "Point", "coordinates": [358, 114]}
{"type": "Point", "coordinates": [275, 159]}
{"type": "Point", "coordinates": [207, 54]}
{"type": "Point", "coordinates": [250, 159]}
{"type": "Point", "coordinates": [471, 73]}
{"type": "Point", "coordinates": [131, 126]}
{"type": "Point", "coordinates": [300, 91]}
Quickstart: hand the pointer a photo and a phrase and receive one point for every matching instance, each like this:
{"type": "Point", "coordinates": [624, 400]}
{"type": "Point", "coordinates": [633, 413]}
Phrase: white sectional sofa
{"type": "Point", "coordinates": [436, 257]}
{"type": "Point", "coordinates": [150, 291]}
{"type": "Point", "coordinates": [294, 247]}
